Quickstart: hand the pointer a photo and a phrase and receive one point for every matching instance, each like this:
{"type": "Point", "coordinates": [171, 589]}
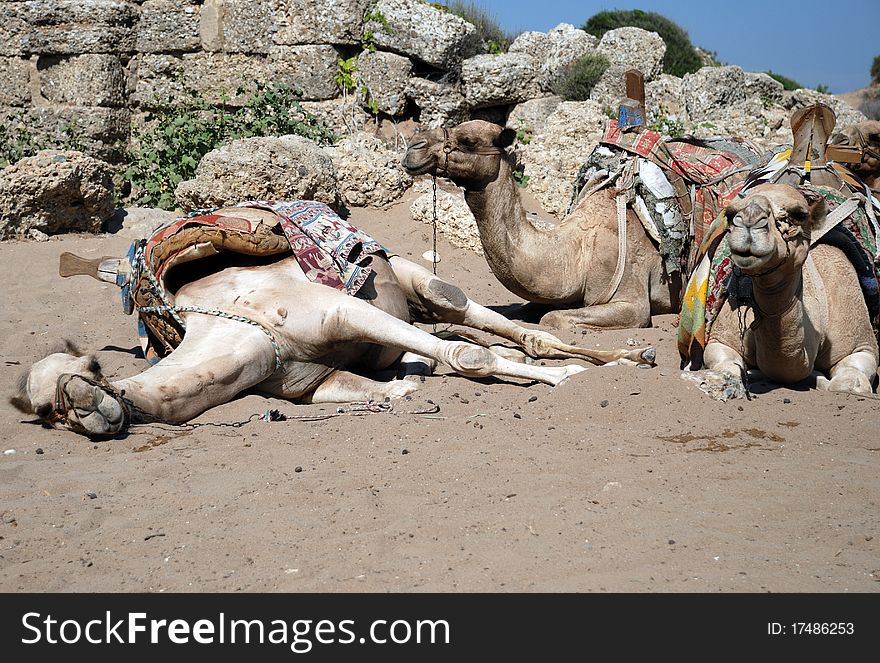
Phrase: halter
{"type": "Point", "coordinates": [60, 413]}
{"type": "Point", "coordinates": [450, 146]}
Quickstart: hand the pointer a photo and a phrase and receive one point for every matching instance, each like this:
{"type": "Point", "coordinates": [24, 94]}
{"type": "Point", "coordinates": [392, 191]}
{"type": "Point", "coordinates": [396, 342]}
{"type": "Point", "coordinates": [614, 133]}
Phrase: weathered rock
{"type": "Point", "coordinates": [343, 116]}
{"type": "Point", "coordinates": [83, 80]}
{"type": "Point", "coordinates": [708, 90]}
{"type": "Point", "coordinates": [368, 173]}
{"type": "Point", "coordinates": [765, 88]}
{"type": "Point", "coordinates": [139, 222]}
{"type": "Point", "coordinates": [492, 80]}
{"type": "Point", "coordinates": [627, 48]}
{"type": "Point", "coordinates": [217, 77]}
{"type": "Point", "coordinates": [554, 51]}
{"type": "Point", "coordinates": [14, 82]}
{"type": "Point", "coordinates": [67, 27]}
{"type": "Point", "coordinates": [420, 31]}
{"type": "Point", "coordinates": [168, 26]}
{"type": "Point", "coordinates": [531, 116]}
{"type": "Point", "coordinates": [285, 167]}
{"type": "Point", "coordinates": [55, 192]}
{"type": "Point", "coordinates": [100, 131]}
{"type": "Point", "coordinates": [441, 104]}
{"type": "Point", "coordinates": [319, 21]}
{"type": "Point", "coordinates": [237, 26]}
{"type": "Point", "coordinates": [664, 100]}
{"type": "Point", "coordinates": [385, 77]}
{"type": "Point", "coordinates": [309, 69]}
{"type": "Point", "coordinates": [454, 218]}
{"type": "Point", "coordinates": [555, 154]}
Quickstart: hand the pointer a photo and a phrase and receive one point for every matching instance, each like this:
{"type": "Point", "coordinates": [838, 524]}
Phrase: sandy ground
{"type": "Point", "coordinates": [619, 480]}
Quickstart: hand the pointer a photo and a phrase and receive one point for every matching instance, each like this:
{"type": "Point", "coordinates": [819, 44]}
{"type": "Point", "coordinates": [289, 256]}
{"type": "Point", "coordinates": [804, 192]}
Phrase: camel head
{"type": "Point", "coordinates": [469, 154]}
{"type": "Point", "coordinates": [67, 390]}
{"type": "Point", "coordinates": [770, 229]}
{"type": "Point", "coordinates": [865, 135]}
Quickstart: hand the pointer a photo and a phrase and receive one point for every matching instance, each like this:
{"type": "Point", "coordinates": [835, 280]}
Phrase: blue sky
{"type": "Point", "coordinates": [811, 41]}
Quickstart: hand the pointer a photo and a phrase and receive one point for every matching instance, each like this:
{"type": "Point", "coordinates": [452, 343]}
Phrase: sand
{"type": "Point", "coordinates": [618, 480]}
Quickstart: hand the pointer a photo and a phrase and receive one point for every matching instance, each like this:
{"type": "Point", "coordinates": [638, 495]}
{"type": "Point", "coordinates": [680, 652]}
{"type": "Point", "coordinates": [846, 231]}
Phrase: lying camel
{"type": "Point", "coordinates": [262, 323]}
{"type": "Point", "coordinates": [576, 266]}
{"type": "Point", "coordinates": [808, 312]}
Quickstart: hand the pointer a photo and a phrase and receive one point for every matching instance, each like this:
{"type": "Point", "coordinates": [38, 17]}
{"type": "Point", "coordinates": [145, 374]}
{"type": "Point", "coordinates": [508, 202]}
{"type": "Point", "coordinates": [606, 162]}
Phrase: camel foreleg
{"type": "Point", "coordinates": [854, 373]}
{"type": "Point", "coordinates": [348, 319]}
{"type": "Point", "coordinates": [435, 300]}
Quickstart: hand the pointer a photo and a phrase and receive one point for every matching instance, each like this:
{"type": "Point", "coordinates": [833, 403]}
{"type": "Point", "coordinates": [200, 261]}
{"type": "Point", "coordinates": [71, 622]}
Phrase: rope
{"type": "Point", "coordinates": [173, 309]}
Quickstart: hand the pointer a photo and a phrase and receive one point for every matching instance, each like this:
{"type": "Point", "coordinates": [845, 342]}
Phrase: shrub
{"type": "Point", "coordinates": [177, 135]}
{"type": "Point", "coordinates": [875, 70]}
{"type": "Point", "coordinates": [580, 77]}
{"type": "Point", "coordinates": [681, 57]}
{"type": "Point", "coordinates": [497, 40]}
{"type": "Point", "coordinates": [787, 83]}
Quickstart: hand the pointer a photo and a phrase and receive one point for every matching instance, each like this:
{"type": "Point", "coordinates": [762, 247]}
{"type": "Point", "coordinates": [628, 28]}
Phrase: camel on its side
{"type": "Point", "coordinates": [304, 343]}
{"type": "Point", "coordinates": [808, 310]}
{"type": "Point", "coordinates": [569, 266]}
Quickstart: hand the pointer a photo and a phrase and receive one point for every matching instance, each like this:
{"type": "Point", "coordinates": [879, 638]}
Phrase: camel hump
{"type": "Point", "coordinates": [103, 269]}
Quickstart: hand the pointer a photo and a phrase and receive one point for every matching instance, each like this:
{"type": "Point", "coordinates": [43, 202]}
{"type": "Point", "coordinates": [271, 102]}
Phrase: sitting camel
{"type": "Point", "coordinates": [807, 312]}
{"type": "Point", "coordinates": [578, 267]}
{"type": "Point", "coordinates": [866, 137]}
{"type": "Point", "coordinates": [262, 322]}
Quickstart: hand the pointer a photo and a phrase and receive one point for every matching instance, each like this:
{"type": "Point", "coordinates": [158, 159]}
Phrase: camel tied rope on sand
{"type": "Point", "coordinates": [338, 305]}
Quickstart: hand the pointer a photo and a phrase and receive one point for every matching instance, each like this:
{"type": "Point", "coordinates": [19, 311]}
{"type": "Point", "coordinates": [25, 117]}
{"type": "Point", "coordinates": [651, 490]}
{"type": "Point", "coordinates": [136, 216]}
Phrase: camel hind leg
{"type": "Point", "coordinates": [435, 300]}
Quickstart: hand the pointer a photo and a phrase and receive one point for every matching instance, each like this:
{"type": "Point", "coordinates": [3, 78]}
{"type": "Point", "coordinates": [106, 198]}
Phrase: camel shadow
{"type": "Point", "coordinates": [528, 312]}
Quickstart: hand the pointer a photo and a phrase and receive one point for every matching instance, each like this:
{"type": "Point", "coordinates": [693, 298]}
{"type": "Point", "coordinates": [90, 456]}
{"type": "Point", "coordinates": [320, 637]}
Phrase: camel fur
{"type": "Point", "coordinates": [808, 316]}
{"type": "Point", "coordinates": [325, 339]}
{"type": "Point", "coordinates": [568, 266]}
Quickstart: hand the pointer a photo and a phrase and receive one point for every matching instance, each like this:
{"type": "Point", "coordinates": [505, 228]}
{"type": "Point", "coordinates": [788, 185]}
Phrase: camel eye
{"type": "Point", "coordinates": [468, 143]}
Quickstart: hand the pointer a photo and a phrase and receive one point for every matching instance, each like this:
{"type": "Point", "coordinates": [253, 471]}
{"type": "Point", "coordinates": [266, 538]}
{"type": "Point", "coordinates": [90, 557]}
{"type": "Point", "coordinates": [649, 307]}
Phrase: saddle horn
{"type": "Point", "coordinates": [102, 269]}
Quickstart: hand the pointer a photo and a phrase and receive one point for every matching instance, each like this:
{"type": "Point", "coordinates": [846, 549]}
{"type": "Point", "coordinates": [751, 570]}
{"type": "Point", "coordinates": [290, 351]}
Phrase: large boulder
{"type": "Point", "coordinates": [440, 104]}
{"type": "Point", "coordinates": [556, 152]}
{"type": "Point", "coordinates": [422, 32]}
{"type": "Point", "coordinates": [846, 114]}
{"type": "Point", "coordinates": [554, 51]}
{"type": "Point", "coordinates": [368, 173]}
{"type": "Point", "coordinates": [494, 80]}
{"type": "Point", "coordinates": [454, 218]}
{"type": "Point", "coordinates": [55, 191]}
{"type": "Point", "coordinates": [318, 21]}
{"type": "Point", "coordinates": [627, 48]}
{"type": "Point", "coordinates": [530, 116]}
{"type": "Point", "coordinates": [276, 168]}
{"type": "Point", "coordinates": [382, 78]}
{"type": "Point", "coordinates": [168, 26]}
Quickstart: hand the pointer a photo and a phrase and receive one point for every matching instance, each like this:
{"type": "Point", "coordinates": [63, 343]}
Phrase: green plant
{"type": "Point", "coordinates": [788, 84]}
{"type": "Point", "coordinates": [177, 134]}
{"type": "Point", "coordinates": [373, 15]}
{"type": "Point", "coordinates": [497, 40]}
{"type": "Point", "coordinates": [16, 143]}
{"type": "Point", "coordinates": [823, 89]}
{"type": "Point", "coordinates": [667, 126]}
{"type": "Point", "coordinates": [681, 57]}
{"type": "Point", "coordinates": [524, 135]}
{"type": "Point", "coordinates": [875, 70]}
{"type": "Point", "coordinates": [520, 177]}
{"type": "Point", "coordinates": [346, 81]}
{"type": "Point", "coordinates": [579, 78]}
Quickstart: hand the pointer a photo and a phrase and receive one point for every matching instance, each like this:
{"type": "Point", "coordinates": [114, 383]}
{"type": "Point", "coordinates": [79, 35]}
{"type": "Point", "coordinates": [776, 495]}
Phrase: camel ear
{"type": "Point", "coordinates": [21, 404]}
{"type": "Point", "coordinates": [817, 213]}
{"type": "Point", "coordinates": [506, 138]}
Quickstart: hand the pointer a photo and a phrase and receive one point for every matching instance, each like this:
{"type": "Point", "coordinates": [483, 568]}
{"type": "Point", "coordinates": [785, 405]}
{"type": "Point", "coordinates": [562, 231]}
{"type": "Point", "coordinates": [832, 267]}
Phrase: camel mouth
{"type": "Point", "coordinates": [414, 167]}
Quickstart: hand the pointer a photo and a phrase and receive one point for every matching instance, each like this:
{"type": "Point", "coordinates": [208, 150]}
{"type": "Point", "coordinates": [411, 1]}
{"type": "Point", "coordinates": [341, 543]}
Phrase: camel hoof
{"type": "Point", "coordinates": [400, 388]}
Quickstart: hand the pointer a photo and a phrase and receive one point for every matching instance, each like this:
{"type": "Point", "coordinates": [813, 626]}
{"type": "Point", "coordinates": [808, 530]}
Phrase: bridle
{"type": "Point", "coordinates": [450, 146]}
{"type": "Point", "coordinates": [60, 413]}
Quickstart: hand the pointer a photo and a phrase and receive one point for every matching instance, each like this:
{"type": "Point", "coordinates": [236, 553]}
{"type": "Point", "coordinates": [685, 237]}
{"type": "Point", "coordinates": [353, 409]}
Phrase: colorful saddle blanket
{"type": "Point", "coordinates": [702, 177]}
{"type": "Point", "coordinates": [329, 251]}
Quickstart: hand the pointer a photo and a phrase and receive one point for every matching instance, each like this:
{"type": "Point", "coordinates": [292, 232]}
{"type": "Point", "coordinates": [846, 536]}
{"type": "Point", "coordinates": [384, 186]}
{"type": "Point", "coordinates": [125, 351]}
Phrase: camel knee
{"type": "Point", "coordinates": [468, 359]}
